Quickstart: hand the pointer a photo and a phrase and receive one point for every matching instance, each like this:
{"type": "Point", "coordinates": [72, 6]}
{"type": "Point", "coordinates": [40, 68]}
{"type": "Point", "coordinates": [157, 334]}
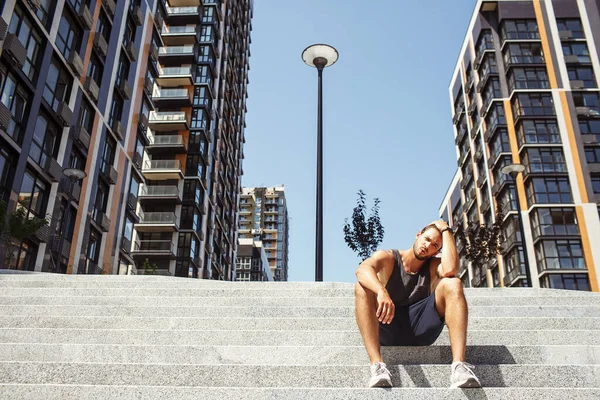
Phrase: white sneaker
{"type": "Point", "coordinates": [463, 376]}
{"type": "Point", "coordinates": [380, 376]}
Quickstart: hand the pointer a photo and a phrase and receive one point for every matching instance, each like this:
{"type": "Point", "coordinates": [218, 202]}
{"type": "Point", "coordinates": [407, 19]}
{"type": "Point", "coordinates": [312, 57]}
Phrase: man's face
{"type": "Point", "coordinates": [427, 244]}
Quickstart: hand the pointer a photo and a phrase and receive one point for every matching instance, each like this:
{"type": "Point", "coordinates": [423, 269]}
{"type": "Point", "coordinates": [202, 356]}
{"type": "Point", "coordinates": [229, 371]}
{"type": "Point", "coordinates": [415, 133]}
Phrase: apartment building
{"type": "Point", "coordinates": [148, 98]}
{"type": "Point", "coordinates": [264, 217]}
{"type": "Point", "coordinates": [525, 91]}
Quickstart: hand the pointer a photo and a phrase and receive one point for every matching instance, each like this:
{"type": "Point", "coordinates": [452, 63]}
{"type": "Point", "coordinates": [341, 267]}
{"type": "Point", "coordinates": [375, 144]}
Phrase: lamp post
{"type": "Point", "coordinates": [513, 170]}
{"type": "Point", "coordinates": [319, 56]}
{"type": "Point", "coordinates": [74, 175]}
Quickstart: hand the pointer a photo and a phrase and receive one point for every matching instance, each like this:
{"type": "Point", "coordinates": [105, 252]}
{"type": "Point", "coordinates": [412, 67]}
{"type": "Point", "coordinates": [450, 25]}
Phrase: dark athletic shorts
{"type": "Point", "coordinates": [416, 325]}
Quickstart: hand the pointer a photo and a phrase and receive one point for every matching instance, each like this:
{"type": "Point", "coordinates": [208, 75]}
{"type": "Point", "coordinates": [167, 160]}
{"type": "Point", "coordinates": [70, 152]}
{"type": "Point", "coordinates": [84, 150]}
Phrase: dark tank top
{"type": "Point", "coordinates": [405, 289]}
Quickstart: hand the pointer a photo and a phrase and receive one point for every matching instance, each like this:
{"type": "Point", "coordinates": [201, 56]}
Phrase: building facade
{"type": "Point", "coordinates": [264, 217]}
{"type": "Point", "coordinates": [149, 99]}
{"type": "Point", "coordinates": [525, 90]}
{"type": "Point", "coordinates": [252, 264]}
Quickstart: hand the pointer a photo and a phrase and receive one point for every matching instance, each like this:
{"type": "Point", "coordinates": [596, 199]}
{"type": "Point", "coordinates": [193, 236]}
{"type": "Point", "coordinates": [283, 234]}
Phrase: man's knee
{"type": "Point", "coordinates": [451, 287]}
{"type": "Point", "coordinates": [361, 292]}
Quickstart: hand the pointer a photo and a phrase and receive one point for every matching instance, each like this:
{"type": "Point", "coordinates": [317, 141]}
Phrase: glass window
{"type": "Point", "coordinates": [16, 99]}
{"type": "Point", "coordinates": [578, 49]}
{"type": "Point", "coordinates": [122, 71]}
{"type": "Point", "coordinates": [203, 74]}
{"type": "Point", "coordinates": [24, 28]}
{"type": "Point", "coordinates": [95, 69]}
{"type": "Point", "coordinates": [590, 127]}
{"type": "Point", "coordinates": [58, 85]}
{"type": "Point", "coordinates": [528, 78]}
{"type": "Point", "coordinates": [523, 53]}
{"type": "Point", "coordinates": [572, 25]}
{"type": "Point", "coordinates": [540, 160]}
{"type": "Point", "coordinates": [206, 33]}
{"type": "Point", "coordinates": [507, 200]}
{"type": "Point", "coordinates": [69, 35]}
{"type": "Point", "coordinates": [585, 74]}
{"type": "Point", "coordinates": [548, 191]}
{"type": "Point", "coordinates": [485, 42]}
{"type": "Point", "coordinates": [46, 140]}
{"type": "Point", "coordinates": [566, 281]}
{"type": "Point", "coordinates": [596, 183]}
{"type": "Point", "coordinates": [592, 155]}
{"type": "Point", "coordinates": [33, 196]}
{"type": "Point", "coordinates": [495, 117]}
{"type": "Point", "coordinates": [533, 104]}
{"type": "Point", "coordinates": [116, 111]}
{"type": "Point", "coordinates": [538, 132]}
{"type": "Point", "coordinates": [101, 203]}
{"type": "Point", "coordinates": [500, 143]}
{"type": "Point", "coordinates": [554, 222]}
{"type": "Point", "coordinates": [490, 92]}
{"type": "Point", "coordinates": [199, 119]}
{"type": "Point", "coordinates": [86, 116]}
{"type": "Point", "coordinates": [7, 167]}
{"type": "Point", "coordinates": [519, 29]}
{"type": "Point", "coordinates": [103, 26]}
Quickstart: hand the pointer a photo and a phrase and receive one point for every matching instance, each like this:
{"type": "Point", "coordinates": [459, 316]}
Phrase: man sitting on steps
{"type": "Point", "coordinates": [404, 297]}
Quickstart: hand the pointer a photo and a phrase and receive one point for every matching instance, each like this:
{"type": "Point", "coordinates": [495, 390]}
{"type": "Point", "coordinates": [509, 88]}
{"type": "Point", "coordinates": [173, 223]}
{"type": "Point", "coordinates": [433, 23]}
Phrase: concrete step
{"type": "Point", "coordinates": [275, 311]}
{"type": "Point", "coordinates": [278, 324]}
{"type": "Point", "coordinates": [277, 338]}
{"type": "Point", "coordinates": [195, 288]}
{"type": "Point", "coordinates": [74, 392]}
{"type": "Point", "coordinates": [236, 301]}
{"type": "Point", "coordinates": [292, 355]}
{"type": "Point", "coordinates": [264, 376]}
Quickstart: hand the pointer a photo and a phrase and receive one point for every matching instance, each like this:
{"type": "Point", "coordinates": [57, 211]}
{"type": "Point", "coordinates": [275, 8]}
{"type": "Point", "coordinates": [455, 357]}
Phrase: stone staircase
{"type": "Point", "coordinates": [149, 337]}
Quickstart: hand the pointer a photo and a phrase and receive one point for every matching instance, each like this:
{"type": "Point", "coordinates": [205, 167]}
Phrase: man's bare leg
{"type": "Point", "coordinates": [451, 304]}
{"type": "Point", "coordinates": [366, 318]}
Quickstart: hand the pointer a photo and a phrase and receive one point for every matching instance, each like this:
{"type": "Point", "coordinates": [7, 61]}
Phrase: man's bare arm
{"type": "Point", "coordinates": [379, 263]}
{"type": "Point", "coordinates": [450, 261]}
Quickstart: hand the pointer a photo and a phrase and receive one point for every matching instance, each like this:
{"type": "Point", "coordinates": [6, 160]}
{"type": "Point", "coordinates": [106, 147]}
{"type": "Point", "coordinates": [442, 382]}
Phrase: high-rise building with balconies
{"type": "Point", "coordinates": [525, 90]}
{"type": "Point", "coordinates": [149, 99]}
{"type": "Point", "coordinates": [264, 217]}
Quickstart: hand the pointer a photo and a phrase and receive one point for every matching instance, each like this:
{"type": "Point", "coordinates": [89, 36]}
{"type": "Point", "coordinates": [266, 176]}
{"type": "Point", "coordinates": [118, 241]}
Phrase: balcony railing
{"type": "Point", "coordinates": [159, 191]}
{"type": "Point", "coordinates": [154, 246]}
{"type": "Point", "coordinates": [174, 71]}
{"type": "Point", "coordinates": [177, 50]}
{"type": "Point", "coordinates": [159, 93]}
{"type": "Point", "coordinates": [167, 29]}
{"type": "Point", "coordinates": [168, 116]}
{"type": "Point", "coordinates": [162, 165]}
{"type": "Point", "coordinates": [182, 10]}
{"type": "Point", "coordinates": [166, 140]}
{"type": "Point", "coordinates": [158, 218]}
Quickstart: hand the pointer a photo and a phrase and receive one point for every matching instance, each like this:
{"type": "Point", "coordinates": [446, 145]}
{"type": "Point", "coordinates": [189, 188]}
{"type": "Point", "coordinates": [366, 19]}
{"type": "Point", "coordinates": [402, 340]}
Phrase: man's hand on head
{"type": "Point", "coordinates": [440, 224]}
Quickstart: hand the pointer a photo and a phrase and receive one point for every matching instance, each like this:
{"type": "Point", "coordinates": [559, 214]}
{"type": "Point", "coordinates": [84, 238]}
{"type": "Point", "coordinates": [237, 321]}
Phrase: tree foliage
{"type": "Point", "coordinates": [15, 227]}
{"type": "Point", "coordinates": [482, 242]}
{"type": "Point", "coordinates": [366, 233]}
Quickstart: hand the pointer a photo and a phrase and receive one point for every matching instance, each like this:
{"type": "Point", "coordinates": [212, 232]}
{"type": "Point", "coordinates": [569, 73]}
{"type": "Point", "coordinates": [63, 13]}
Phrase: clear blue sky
{"type": "Point", "coordinates": [387, 121]}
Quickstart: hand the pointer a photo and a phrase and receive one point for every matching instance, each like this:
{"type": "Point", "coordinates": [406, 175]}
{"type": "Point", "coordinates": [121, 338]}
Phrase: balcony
{"type": "Point", "coordinates": [185, 54]}
{"type": "Point", "coordinates": [513, 276]}
{"type": "Point", "coordinates": [14, 50]}
{"type": "Point", "coordinates": [183, 15]}
{"type": "Point", "coordinates": [172, 98]}
{"type": "Point", "coordinates": [80, 136]}
{"type": "Point", "coordinates": [162, 144]}
{"type": "Point", "coordinates": [498, 186]}
{"type": "Point", "coordinates": [175, 76]}
{"type": "Point", "coordinates": [159, 170]}
{"type": "Point", "coordinates": [157, 222]}
{"type": "Point", "coordinates": [159, 193]}
{"type": "Point", "coordinates": [168, 121]}
{"type": "Point", "coordinates": [155, 249]}
{"type": "Point", "coordinates": [179, 35]}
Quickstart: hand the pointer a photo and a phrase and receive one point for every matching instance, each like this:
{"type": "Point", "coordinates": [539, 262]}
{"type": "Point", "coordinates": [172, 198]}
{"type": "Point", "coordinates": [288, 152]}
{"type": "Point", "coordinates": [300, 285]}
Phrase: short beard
{"type": "Point", "coordinates": [416, 253]}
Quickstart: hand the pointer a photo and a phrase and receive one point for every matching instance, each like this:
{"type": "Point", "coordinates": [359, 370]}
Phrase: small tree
{"type": "Point", "coordinates": [14, 228]}
{"type": "Point", "coordinates": [482, 243]}
{"type": "Point", "coordinates": [365, 234]}
{"type": "Point", "coordinates": [149, 268]}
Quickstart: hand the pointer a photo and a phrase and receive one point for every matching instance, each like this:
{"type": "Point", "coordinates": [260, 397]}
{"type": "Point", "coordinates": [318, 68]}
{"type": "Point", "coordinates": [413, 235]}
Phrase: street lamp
{"type": "Point", "coordinates": [74, 175]}
{"type": "Point", "coordinates": [319, 56]}
{"type": "Point", "coordinates": [513, 170]}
